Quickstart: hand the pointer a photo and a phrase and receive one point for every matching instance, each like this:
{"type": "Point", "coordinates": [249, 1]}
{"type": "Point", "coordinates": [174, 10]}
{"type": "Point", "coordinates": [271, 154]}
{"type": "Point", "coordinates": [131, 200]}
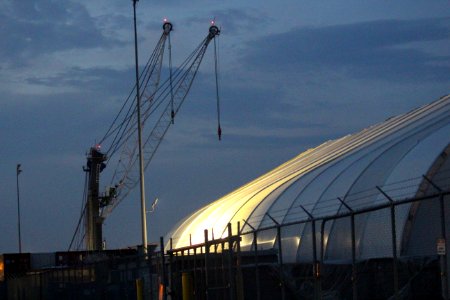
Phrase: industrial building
{"type": "Point", "coordinates": [364, 216]}
{"type": "Point", "coordinates": [379, 194]}
{"type": "Point", "coordinates": [400, 150]}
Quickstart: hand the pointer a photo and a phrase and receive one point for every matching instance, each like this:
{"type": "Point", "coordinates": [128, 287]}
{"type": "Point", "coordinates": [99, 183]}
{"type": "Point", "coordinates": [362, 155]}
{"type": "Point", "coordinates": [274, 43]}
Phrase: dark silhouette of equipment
{"type": "Point", "coordinates": [93, 220]}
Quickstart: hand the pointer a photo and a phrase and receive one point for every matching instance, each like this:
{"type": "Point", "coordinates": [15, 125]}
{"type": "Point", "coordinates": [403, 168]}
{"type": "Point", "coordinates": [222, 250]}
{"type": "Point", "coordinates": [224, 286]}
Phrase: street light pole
{"type": "Point", "coordinates": [18, 171]}
{"type": "Point", "coordinates": [141, 157]}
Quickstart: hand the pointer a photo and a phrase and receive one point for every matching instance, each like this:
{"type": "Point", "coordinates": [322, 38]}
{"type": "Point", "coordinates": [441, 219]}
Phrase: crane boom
{"type": "Point", "coordinates": [184, 79]}
{"type": "Point", "coordinates": [126, 137]}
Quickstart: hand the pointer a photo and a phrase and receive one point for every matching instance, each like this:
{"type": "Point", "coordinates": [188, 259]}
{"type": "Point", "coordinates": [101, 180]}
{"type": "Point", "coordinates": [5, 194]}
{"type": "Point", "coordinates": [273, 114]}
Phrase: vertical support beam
{"type": "Point", "coordinates": [394, 242]}
{"type": "Point", "coordinates": [353, 236]}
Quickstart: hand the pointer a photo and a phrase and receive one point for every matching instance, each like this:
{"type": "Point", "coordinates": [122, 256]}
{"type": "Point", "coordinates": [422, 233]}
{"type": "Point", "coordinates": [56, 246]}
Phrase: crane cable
{"type": "Point", "coordinates": [159, 97]}
{"type": "Point", "coordinates": [144, 77]}
{"type": "Point", "coordinates": [172, 113]}
{"type": "Point", "coordinates": [83, 211]}
{"type": "Point", "coordinates": [216, 69]}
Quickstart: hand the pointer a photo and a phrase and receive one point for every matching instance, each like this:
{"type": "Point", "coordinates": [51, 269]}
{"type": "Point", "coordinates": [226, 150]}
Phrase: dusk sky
{"type": "Point", "coordinates": [293, 74]}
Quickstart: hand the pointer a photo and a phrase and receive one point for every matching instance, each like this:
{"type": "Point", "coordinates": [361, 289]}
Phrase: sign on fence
{"type": "Point", "coordinates": [440, 246]}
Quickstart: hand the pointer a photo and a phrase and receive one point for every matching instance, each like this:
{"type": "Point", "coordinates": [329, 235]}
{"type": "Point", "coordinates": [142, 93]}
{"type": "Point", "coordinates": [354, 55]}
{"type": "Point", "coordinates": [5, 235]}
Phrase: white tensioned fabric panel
{"type": "Point", "coordinates": [420, 238]}
{"type": "Point", "coordinates": [386, 169]}
{"type": "Point", "coordinates": [376, 173]}
{"type": "Point", "coordinates": [348, 167]}
{"type": "Point", "coordinates": [410, 166]}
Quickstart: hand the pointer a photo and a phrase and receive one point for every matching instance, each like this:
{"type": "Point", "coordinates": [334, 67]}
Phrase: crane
{"type": "Point", "coordinates": [164, 100]}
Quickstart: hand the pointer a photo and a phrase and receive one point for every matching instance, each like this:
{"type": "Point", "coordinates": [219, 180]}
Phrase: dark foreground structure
{"type": "Point", "coordinates": [219, 269]}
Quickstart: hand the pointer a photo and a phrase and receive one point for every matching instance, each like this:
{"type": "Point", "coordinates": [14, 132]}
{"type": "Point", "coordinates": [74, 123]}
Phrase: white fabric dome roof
{"type": "Point", "coordinates": [401, 149]}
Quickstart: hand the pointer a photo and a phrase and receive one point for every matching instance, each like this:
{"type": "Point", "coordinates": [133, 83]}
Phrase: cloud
{"type": "Point", "coordinates": [385, 49]}
{"type": "Point", "coordinates": [109, 80]}
{"type": "Point", "coordinates": [234, 21]}
{"type": "Point", "coordinates": [32, 28]}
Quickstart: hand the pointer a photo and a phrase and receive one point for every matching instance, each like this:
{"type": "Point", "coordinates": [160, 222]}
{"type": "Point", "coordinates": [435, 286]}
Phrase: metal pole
{"type": "Point", "coordinates": [139, 125]}
{"type": "Point", "coordinates": [280, 256]}
{"type": "Point", "coordinates": [231, 277]}
{"type": "Point", "coordinates": [394, 251]}
{"type": "Point", "coordinates": [163, 269]}
{"type": "Point", "coordinates": [171, 270]}
{"type": "Point", "coordinates": [443, 258]}
{"type": "Point", "coordinates": [18, 207]}
{"type": "Point", "coordinates": [354, 274]}
{"type": "Point", "coordinates": [320, 263]}
{"type": "Point", "coordinates": [316, 271]}
{"type": "Point", "coordinates": [206, 265]}
{"type": "Point", "coordinates": [258, 289]}
{"type": "Point", "coordinates": [394, 242]}
{"type": "Point", "coordinates": [255, 242]}
{"type": "Point", "coordinates": [315, 264]}
{"type": "Point", "coordinates": [352, 224]}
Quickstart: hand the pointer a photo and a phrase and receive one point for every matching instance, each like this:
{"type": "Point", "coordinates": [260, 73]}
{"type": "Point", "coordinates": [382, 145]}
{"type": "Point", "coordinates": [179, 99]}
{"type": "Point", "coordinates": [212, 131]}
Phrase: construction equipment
{"type": "Point", "coordinates": [164, 100]}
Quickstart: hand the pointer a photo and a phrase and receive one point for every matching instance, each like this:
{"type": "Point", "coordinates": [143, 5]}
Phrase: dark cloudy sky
{"type": "Point", "coordinates": [293, 74]}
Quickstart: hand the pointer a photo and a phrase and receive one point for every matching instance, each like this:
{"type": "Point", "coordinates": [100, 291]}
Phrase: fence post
{"type": "Point", "coordinates": [239, 276]}
{"type": "Point", "coordinates": [322, 247]}
{"type": "Point", "coordinates": [280, 257]}
{"type": "Point", "coordinates": [442, 258]}
{"type": "Point", "coordinates": [162, 284]}
{"type": "Point", "coordinates": [255, 242]}
{"type": "Point", "coordinates": [316, 271]}
{"type": "Point", "coordinates": [231, 277]}
{"type": "Point", "coordinates": [171, 269]}
{"type": "Point", "coordinates": [354, 270]}
{"type": "Point", "coordinates": [394, 241]}
{"type": "Point", "coordinates": [206, 264]}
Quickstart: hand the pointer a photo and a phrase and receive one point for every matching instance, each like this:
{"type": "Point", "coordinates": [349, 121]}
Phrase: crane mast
{"type": "Point", "coordinates": [93, 220]}
{"type": "Point", "coordinates": [149, 80]}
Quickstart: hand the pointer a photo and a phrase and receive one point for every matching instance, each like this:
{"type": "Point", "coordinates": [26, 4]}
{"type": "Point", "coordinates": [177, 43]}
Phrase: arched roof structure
{"type": "Point", "coordinates": [393, 155]}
